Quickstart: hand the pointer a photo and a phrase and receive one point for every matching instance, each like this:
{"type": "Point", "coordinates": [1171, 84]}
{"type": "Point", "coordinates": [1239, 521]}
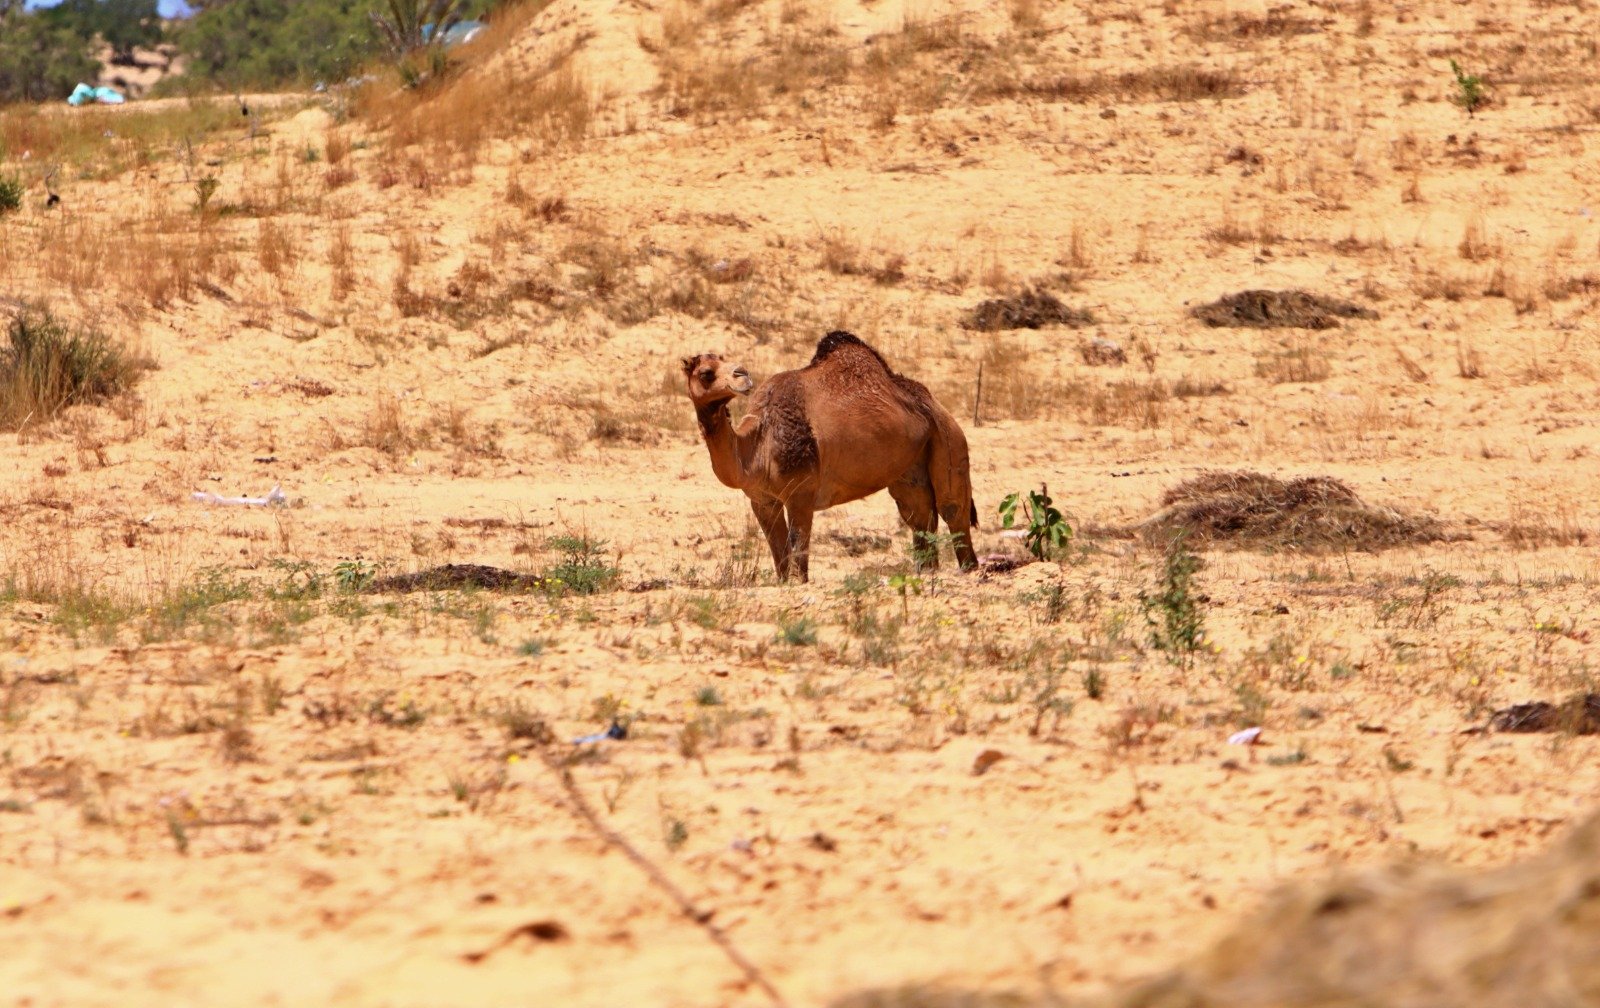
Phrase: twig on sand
{"type": "Point", "coordinates": [586, 812]}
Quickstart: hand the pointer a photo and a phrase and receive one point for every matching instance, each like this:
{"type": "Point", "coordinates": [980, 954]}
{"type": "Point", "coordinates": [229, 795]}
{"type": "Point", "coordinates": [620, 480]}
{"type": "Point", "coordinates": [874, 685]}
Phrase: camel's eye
{"type": "Point", "coordinates": [706, 376]}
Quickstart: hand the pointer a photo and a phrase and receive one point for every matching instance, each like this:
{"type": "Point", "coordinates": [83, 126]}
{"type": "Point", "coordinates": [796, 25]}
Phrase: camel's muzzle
{"type": "Point", "coordinates": [741, 382]}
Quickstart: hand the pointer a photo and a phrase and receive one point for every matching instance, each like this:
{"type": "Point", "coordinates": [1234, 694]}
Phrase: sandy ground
{"type": "Point", "coordinates": [226, 780]}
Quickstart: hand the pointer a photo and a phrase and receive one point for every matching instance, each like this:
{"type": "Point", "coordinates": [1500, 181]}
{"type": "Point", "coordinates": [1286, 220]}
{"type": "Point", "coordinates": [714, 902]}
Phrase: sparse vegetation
{"type": "Point", "coordinates": [47, 366]}
{"type": "Point", "coordinates": [498, 576]}
{"type": "Point", "coordinates": [1469, 93]}
{"type": "Point", "coordinates": [1047, 530]}
{"type": "Point", "coordinates": [1174, 612]}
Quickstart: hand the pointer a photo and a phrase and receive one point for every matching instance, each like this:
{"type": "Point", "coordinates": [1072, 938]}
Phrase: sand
{"type": "Point", "coordinates": [220, 786]}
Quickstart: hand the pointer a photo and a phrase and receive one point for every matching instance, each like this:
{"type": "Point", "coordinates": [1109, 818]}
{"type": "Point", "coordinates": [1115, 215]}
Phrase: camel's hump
{"type": "Point", "coordinates": [837, 340]}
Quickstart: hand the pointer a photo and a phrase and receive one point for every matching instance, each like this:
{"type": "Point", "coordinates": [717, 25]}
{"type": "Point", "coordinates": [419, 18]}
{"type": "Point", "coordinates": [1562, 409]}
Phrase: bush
{"type": "Point", "coordinates": [267, 43]}
{"type": "Point", "coordinates": [10, 193]}
{"type": "Point", "coordinates": [46, 367]}
{"type": "Point", "coordinates": [121, 24]}
{"type": "Point", "coordinates": [39, 61]}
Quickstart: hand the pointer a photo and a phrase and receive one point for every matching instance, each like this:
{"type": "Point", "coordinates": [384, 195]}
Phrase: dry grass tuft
{"type": "Point", "coordinates": [1301, 361]}
{"type": "Point", "coordinates": [1031, 309]}
{"type": "Point", "coordinates": [1310, 514]}
{"type": "Point", "coordinates": [1579, 715]}
{"type": "Point", "coordinates": [47, 366]}
{"type": "Point", "coordinates": [1286, 309]}
{"type": "Point", "coordinates": [1278, 22]}
{"type": "Point", "coordinates": [1511, 936]}
{"type": "Point", "coordinates": [1168, 83]}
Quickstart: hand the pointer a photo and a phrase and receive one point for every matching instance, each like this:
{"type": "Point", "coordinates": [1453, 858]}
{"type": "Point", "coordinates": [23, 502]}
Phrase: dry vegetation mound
{"type": "Point", "coordinates": [1031, 309]}
{"type": "Point", "coordinates": [1410, 935]}
{"type": "Point", "coordinates": [1579, 715]}
{"type": "Point", "coordinates": [1286, 309]}
{"type": "Point", "coordinates": [1313, 513]}
{"type": "Point", "coordinates": [1402, 936]}
{"type": "Point", "coordinates": [455, 576]}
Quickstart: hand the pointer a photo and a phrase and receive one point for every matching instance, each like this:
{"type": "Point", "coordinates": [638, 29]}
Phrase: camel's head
{"type": "Point", "coordinates": [713, 380]}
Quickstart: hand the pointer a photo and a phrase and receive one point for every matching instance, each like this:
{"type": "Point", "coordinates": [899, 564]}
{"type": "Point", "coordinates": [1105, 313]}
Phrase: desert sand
{"type": "Point", "coordinates": [448, 326]}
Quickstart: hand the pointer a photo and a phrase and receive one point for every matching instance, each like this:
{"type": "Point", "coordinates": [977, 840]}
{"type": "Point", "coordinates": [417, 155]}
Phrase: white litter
{"type": "Point", "coordinates": [1246, 737]}
{"type": "Point", "coordinates": [274, 498]}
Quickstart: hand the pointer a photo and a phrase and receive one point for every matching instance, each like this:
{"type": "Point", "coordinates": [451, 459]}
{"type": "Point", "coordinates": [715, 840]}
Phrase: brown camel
{"type": "Point", "coordinates": [839, 429]}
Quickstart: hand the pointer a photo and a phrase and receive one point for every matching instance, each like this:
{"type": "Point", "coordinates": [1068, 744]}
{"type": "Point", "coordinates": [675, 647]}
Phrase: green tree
{"type": "Point", "coordinates": [120, 24]}
{"type": "Point", "coordinates": [39, 61]}
{"type": "Point", "coordinates": [265, 43]}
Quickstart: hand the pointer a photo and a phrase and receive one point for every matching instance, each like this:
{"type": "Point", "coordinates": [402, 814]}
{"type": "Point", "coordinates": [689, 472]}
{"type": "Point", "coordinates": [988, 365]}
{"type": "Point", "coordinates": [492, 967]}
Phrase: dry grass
{"type": "Point", "coordinates": [47, 366]}
{"type": "Point", "coordinates": [1267, 309]}
{"type": "Point", "coordinates": [1030, 309]}
{"type": "Point", "coordinates": [1308, 514]}
{"type": "Point", "coordinates": [1300, 361]}
{"type": "Point", "coordinates": [1168, 83]}
{"type": "Point", "coordinates": [1514, 936]}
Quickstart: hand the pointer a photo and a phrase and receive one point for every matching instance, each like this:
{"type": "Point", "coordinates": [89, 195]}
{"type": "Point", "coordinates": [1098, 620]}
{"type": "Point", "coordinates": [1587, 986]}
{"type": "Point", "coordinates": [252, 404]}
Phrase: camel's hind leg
{"type": "Point", "coordinates": [949, 469]}
{"type": "Point", "coordinates": [769, 514]}
{"type": "Point", "coordinates": [914, 497]}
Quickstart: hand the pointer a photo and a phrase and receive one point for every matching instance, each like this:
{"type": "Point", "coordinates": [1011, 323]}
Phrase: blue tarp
{"type": "Point", "coordinates": [83, 94]}
{"type": "Point", "coordinates": [462, 31]}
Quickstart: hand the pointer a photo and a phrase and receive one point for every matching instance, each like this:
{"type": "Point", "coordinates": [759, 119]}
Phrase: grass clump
{"type": "Point", "coordinates": [1285, 309]}
{"type": "Point", "coordinates": [10, 194]}
{"type": "Point", "coordinates": [46, 366]}
{"type": "Point", "coordinates": [1175, 613]}
{"type": "Point", "coordinates": [583, 569]}
{"type": "Point", "coordinates": [1031, 309]}
{"type": "Point", "coordinates": [1311, 513]}
{"type": "Point", "coordinates": [1470, 94]}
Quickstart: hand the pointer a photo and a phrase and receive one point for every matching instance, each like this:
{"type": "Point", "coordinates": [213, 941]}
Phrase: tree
{"type": "Point", "coordinates": [121, 24]}
{"type": "Point", "coordinates": [39, 61]}
{"type": "Point", "coordinates": [411, 24]}
{"type": "Point", "coordinates": [267, 43]}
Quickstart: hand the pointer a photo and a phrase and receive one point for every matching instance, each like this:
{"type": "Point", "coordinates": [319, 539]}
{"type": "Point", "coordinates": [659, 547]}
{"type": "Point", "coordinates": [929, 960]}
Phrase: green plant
{"type": "Point", "coordinates": [10, 193]}
{"type": "Point", "coordinates": [675, 832]}
{"type": "Point", "coordinates": [1048, 531]}
{"type": "Point", "coordinates": [1470, 94]}
{"type": "Point", "coordinates": [707, 696]}
{"type": "Point", "coordinates": [46, 367]}
{"type": "Point", "coordinates": [800, 632]}
{"type": "Point", "coordinates": [583, 569]}
{"type": "Point", "coordinates": [351, 576]}
{"type": "Point", "coordinates": [1174, 614]}
{"type": "Point", "coordinates": [205, 187]}
{"type": "Point", "coordinates": [1094, 683]}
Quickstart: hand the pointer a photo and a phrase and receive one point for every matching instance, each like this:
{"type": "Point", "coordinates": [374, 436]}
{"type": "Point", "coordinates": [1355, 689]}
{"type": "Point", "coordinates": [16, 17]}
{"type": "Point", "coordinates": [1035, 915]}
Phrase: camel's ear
{"type": "Point", "coordinates": [688, 365]}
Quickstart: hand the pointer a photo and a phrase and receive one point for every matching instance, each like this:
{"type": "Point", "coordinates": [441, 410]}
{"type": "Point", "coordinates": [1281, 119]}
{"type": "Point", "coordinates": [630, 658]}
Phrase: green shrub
{"type": "Point", "coordinates": [583, 569]}
{"type": "Point", "coordinates": [10, 193]}
{"type": "Point", "coordinates": [1048, 531]}
{"type": "Point", "coordinates": [46, 367]}
{"type": "Point", "coordinates": [1470, 94]}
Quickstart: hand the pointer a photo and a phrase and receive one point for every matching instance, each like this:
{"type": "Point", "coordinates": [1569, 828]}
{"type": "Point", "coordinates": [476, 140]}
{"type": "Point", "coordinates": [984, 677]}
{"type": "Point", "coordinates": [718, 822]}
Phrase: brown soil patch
{"type": "Point", "coordinates": [1312, 513]}
{"type": "Point", "coordinates": [1285, 309]}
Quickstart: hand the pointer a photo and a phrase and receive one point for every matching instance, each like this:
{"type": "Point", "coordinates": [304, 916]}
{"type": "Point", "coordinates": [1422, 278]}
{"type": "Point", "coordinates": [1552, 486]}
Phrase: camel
{"type": "Point", "coordinates": [839, 429]}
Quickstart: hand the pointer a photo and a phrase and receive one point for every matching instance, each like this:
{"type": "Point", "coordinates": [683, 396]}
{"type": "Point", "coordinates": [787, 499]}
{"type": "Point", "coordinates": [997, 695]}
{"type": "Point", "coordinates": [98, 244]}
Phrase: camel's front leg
{"type": "Point", "coordinates": [769, 513]}
{"type": "Point", "coordinates": [800, 511]}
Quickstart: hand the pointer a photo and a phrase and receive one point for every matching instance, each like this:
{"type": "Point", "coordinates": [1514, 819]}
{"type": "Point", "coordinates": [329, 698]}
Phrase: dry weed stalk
{"type": "Point", "coordinates": [584, 811]}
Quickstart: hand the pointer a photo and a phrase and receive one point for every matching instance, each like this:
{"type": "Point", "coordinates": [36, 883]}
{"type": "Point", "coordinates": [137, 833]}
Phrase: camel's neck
{"type": "Point", "coordinates": [716, 426]}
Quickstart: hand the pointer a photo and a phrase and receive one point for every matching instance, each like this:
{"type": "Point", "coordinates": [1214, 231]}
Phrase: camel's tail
{"type": "Point", "coordinates": [974, 505]}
